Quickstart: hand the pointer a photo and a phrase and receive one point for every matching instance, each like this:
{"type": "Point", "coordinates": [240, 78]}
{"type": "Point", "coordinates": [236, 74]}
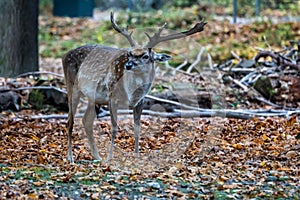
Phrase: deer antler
{"type": "Point", "coordinates": [123, 31]}
{"type": "Point", "coordinates": [157, 38]}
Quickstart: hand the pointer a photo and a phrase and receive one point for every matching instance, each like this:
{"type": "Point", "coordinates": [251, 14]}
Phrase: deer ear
{"type": "Point", "coordinates": [161, 57]}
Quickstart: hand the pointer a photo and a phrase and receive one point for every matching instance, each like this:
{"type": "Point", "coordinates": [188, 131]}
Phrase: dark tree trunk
{"type": "Point", "coordinates": [18, 37]}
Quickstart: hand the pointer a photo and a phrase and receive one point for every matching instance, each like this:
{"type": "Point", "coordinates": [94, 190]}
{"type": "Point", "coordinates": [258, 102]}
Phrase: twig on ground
{"type": "Point", "coordinates": [38, 73]}
{"type": "Point", "coordinates": [167, 65]}
{"type": "Point", "coordinates": [279, 59]}
{"type": "Point", "coordinates": [237, 82]}
{"type": "Point", "coordinates": [262, 99]}
{"type": "Point", "coordinates": [236, 56]}
{"type": "Point", "coordinates": [196, 61]}
{"type": "Point", "coordinates": [239, 70]}
{"type": "Point", "coordinates": [210, 62]}
{"type": "Point", "coordinates": [248, 79]}
{"type": "Point", "coordinates": [266, 41]}
{"type": "Point", "coordinates": [181, 65]}
{"type": "Point", "coordinates": [39, 87]}
{"type": "Point", "coordinates": [174, 103]}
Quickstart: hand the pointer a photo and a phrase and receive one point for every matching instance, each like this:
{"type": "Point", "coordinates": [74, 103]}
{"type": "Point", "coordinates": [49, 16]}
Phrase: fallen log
{"type": "Point", "coordinates": [226, 113]}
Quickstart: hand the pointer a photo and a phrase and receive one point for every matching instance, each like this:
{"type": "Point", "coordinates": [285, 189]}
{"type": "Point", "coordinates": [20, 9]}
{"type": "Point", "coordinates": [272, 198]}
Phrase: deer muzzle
{"type": "Point", "coordinates": [129, 65]}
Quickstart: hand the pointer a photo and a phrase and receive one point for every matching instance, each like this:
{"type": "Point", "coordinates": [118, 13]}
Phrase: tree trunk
{"type": "Point", "coordinates": [19, 37]}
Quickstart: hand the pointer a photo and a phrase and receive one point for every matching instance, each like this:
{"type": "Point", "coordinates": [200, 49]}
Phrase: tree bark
{"type": "Point", "coordinates": [19, 37]}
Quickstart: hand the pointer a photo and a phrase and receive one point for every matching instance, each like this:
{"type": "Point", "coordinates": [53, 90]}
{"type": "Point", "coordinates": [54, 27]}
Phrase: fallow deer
{"type": "Point", "coordinates": [113, 76]}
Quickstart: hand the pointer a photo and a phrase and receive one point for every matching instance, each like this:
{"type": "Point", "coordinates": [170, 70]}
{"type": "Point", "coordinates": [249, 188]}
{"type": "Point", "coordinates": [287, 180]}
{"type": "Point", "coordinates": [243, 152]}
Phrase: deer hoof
{"type": "Point", "coordinates": [109, 157]}
{"type": "Point", "coordinates": [96, 157]}
{"type": "Point", "coordinates": [70, 157]}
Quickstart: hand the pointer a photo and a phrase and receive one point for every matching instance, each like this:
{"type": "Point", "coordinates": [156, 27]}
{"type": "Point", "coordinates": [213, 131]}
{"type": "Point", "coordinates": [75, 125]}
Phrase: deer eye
{"type": "Point", "coordinates": [145, 57]}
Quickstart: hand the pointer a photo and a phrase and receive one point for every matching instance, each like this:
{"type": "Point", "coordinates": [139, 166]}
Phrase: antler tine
{"type": "Point", "coordinates": [156, 34]}
{"type": "Point", "coordinates": [123, 31]}
{"type": "Point", "coordinates": [157, 38]}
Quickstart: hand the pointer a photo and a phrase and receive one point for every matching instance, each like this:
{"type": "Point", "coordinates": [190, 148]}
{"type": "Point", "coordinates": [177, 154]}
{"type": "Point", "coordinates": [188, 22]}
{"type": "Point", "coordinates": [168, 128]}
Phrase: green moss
{"type": "Point", "coordinates": [36, 98]}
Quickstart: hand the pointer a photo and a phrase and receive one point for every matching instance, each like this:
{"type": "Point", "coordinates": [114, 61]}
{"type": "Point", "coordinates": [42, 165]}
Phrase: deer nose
{"type": "Point", "coordinates": [129, 65]}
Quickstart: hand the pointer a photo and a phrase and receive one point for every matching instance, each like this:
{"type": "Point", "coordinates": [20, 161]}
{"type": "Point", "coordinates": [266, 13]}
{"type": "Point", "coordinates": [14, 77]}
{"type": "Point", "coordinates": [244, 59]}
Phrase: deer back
{"type": "Point", "coordinates": [72, 61]}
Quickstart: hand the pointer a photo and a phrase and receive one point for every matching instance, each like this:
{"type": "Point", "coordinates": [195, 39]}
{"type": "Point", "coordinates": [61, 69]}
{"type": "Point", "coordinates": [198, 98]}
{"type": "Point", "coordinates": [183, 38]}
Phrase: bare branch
{"type": "Point", "coordinates": [173, 102]}
{"type": "Point", "coordinates": [210, 62]}
{"type": "Point", "coordinates": [237, 82]}
{"type": "Point", "coordinates": [236, 56]}
{"type": "Point", "coordinates": [228, 113]}
{"type": "Point", "coordinates": [37, 73]}
{"type": "Point", "coordinates": [167, 65]}
{"type": "Point", "coordinates": [40, 87]}
{"type": "Point", "coordinates": [196, 61]}
{"type": "Point", "coordinates": [278, 58]}
{"type": "Point", "coordinates": [182, 65]}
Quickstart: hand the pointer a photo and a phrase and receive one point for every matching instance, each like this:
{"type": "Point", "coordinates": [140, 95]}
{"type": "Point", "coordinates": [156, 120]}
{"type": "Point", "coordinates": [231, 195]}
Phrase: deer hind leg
{"type": "Point", "coordinates": [137, 111]}
{"type": "Point", "coordinates": [73, 103]}
{"type": "Point", "coordinates": [113, 108]}
{"type": "Point", "coordinates": [88, 121]}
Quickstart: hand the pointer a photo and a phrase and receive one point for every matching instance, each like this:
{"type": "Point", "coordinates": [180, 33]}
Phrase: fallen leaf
{"type": "Point", "coordinates": [263, 163]}
{"type": "Point", "coordinates": [35, 138]}
{"type": "Point", "coordinates": [291, 121]}
{"type": "Point", "coordinates": [238, 146]}
{"type": "Point", "coordinates": [52, 145]}
{"type": "Point", "coordinates": [265, 137]}
{"type": "Point", "coordinates": [32, 196]}
{"type": "Point", "coordinates": [38, 183]}
{"type": "Point", "coordinates": [291, 154]}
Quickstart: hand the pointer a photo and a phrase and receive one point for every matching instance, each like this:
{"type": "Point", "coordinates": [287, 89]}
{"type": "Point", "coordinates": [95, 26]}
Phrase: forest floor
{"type": "Point", "coordinates": [182, 158]}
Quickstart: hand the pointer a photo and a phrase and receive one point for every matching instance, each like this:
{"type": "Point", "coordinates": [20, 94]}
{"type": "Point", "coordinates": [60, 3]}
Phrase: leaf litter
{"type": "Point", "coordinates": [246, 159]}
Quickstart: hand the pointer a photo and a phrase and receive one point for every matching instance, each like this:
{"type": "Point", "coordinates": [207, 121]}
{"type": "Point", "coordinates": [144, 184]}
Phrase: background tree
{"type": "Point", "coordinates": [19, 37]}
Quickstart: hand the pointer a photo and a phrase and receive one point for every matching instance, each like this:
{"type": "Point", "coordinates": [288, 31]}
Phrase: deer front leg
{"type": "Point", "coordinates": [113, 108]}
{"type": "Point", "coordinates": [88, 121]}
{"type": "Point", "coordinates": [137, 111]}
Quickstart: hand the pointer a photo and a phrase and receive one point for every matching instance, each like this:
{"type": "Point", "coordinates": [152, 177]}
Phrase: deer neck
{"type": "Point", "coordinates": [137, 83]}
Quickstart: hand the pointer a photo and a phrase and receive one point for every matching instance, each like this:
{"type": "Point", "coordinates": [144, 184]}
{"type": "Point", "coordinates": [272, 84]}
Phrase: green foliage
{"type": "Point", "coordinates": [182, 3]}
{"type": "Point", "coordinates": [18, 174]}
{"type": "Point", "coordinates": [45, 6]}
{"type": "Point", "coordinates": [42, 173]}
{"type": "Point", "coordinates": [57, 36]}
{"type": "Point", "coordinates": [176, 18]}
{"type": "Point", "coordinates": [157, 88]}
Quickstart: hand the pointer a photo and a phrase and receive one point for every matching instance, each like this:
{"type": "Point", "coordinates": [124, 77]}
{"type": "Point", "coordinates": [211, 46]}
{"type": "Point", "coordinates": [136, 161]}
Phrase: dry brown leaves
{"type": "Point", "coordinates": [242, 159]}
